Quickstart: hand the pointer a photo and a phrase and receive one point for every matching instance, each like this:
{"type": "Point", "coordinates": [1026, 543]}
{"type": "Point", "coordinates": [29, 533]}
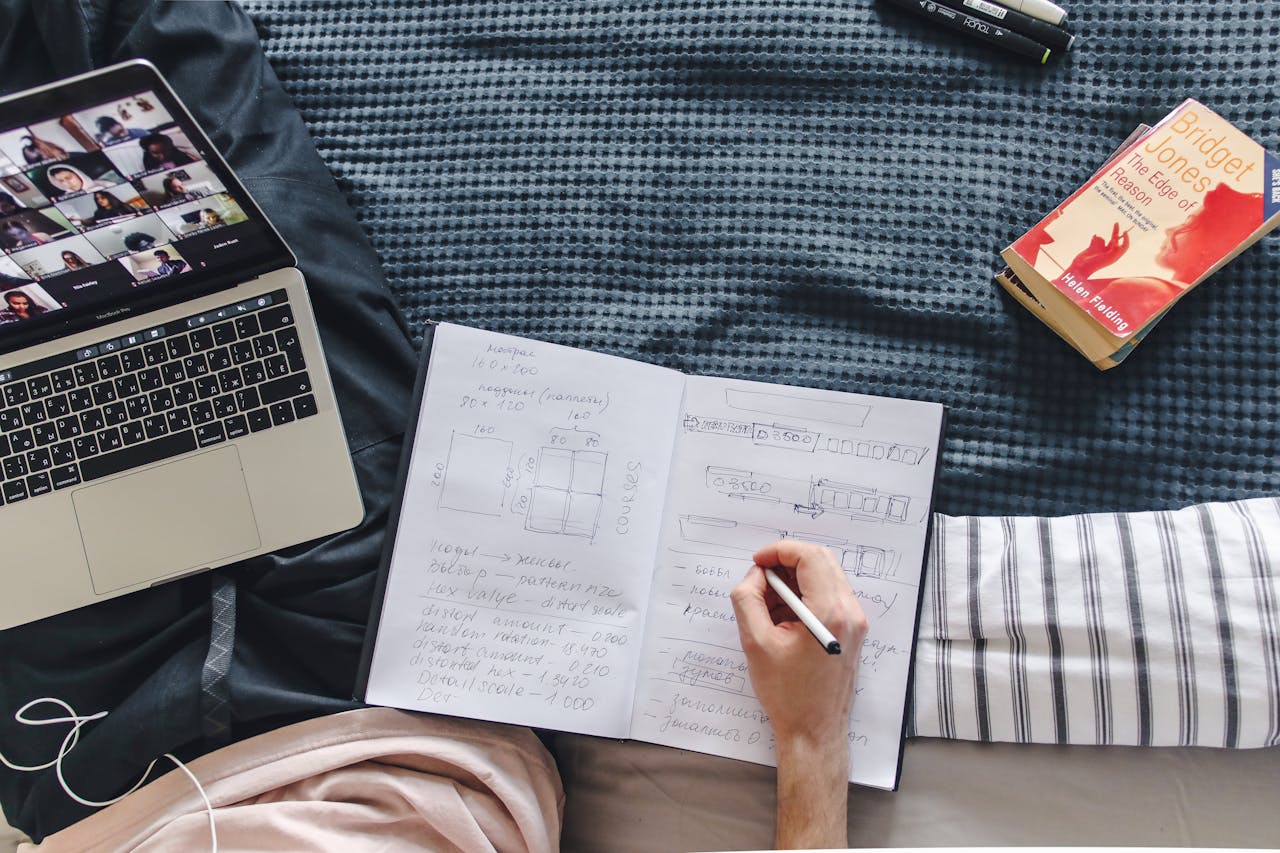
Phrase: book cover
{"type": "Point", "coordinates": [1171, 209]}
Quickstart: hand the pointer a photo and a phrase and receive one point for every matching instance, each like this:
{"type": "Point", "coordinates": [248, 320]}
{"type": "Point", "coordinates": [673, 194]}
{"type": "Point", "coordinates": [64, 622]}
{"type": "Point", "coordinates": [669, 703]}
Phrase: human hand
{"type": "Point", "coordinates": [1100, 253]}
{"type": "Point", "coordinates": [806, 692]}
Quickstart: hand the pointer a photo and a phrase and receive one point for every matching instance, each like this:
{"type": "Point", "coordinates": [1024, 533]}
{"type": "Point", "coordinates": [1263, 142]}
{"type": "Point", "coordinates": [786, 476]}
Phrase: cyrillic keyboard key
{"type": "Point", "coordinates": [178, 420]}
{"type": "Point", "coordinates": [15, 491]}
{"type": "Point", "coordinates": [63, 380]}
{"type": "Point", "coordinates": [16, 466]}
{"type": "Point", "coordinates": [210, 434]}
{"type": "Point", "coordinates": [304, 406]}
{"type": "Point", "coordinates": [65, 475]}
{"type": "Point", "coordinates": [57, 406]}
{"type": "Point", "coordinates": [281, 413]}
{"type": "Point", "coordinates": [275, 318]}
{"type": "Point", "coordinates": [92, 420]}
{"type": "Point", "coordinates": [155, 426]}
{"type": "Point", "coordinates": [224, 333]}
{"type": "Point", "coordinates": [202, 412]}
{"type": "Point", "coordinates": [109, 440]}
{"type": "Point", "coordinates": [80, 399]}
{"type": "Point", "coordinates": [133, 432]}
{"type": "Point", "coordinates": [20, 441]}
{"type": "Point", "coordinates": [172, 372]}
{"type": "Point", "coordinates": [259, 419]}
{"type": "Point", "coordinates": [63, 454]}
{"type": "Point", "coordinates": [16, 394]}
{"type": "Point", "coordinates": [44, 434]}
{"type": "Point", "coordinates": [38, 484]}
{"type": "Point", "coordinates": [39, 386]}
{"type": "Point", "coordinates": [282, 389]}
{"type": "Point", "coordinates": [247, 326]}
{"type": "Point", "coordinates": [109, 367]}
{"type": "Point", "coordinates": [68, 427]}
{"type": "Point", "coordinates": [39, 459]}
{"type": "Point", "coordinates": [138, 455]}
{"type": "Point", "coordinates": [33, 413]}
{"type": "Point", "coordinates": [150, 379]}
{"type": "Point", "coordinates": [201, 340]}
{"type": "Point", "coordinates": [237, 426]}
{"type": "Point", "coordinates": [86, 373]}
{"type": "Point", "coordinates": [86, 446]}
{"type": "Point", "coordinates": [177, 347]}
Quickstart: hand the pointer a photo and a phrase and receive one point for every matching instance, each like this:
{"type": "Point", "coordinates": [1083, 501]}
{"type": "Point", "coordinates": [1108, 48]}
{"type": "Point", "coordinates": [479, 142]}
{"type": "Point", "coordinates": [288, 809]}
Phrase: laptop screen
{"type": "Point", "coordinates": [113, 201]}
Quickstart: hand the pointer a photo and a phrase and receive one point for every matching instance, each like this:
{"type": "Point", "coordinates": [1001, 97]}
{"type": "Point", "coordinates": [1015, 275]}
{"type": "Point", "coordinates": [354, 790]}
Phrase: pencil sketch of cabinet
{"type": "Point", "coordinates": [567, 492]}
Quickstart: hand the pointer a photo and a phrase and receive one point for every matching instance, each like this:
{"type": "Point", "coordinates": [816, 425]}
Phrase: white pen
{"type": "Point", "coordinates": [1042, 9]}
{"type": "Point", "coordinates": [819, 631]}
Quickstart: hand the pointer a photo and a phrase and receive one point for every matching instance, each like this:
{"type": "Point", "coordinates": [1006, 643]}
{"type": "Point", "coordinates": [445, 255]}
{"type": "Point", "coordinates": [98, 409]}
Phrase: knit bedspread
{"type": "Point", "coordinates": [808, 192]}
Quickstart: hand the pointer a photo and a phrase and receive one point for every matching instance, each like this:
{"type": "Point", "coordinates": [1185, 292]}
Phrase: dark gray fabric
{"type": "Point", "coordinates": [299, 616]}
{"type": "Point", "coordinates": [806, 191]}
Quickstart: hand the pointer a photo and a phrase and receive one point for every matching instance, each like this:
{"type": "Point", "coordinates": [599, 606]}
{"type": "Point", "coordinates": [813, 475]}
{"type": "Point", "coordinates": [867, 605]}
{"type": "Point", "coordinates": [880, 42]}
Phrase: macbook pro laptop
{"type": "Point", "coordinates": [165, 406]}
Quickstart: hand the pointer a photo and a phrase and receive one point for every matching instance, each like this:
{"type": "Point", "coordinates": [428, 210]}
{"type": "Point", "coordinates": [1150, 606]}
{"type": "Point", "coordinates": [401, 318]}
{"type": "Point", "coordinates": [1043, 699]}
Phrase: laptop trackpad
{"type": "Point", "coordinates": [170, 519]}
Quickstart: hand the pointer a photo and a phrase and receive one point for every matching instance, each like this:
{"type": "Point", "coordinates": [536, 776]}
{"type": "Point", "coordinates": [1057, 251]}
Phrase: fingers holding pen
{"type": "Point", "coordinates": [817, 577]}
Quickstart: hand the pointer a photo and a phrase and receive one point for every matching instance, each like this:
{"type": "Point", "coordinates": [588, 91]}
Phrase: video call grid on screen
{"type": "Point", "coordinates": [99, 201]}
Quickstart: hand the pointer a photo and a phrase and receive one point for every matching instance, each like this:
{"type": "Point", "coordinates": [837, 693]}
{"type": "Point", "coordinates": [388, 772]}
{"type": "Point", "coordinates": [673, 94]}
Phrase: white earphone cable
{"type": "Point", "coordinates": [69, 742]}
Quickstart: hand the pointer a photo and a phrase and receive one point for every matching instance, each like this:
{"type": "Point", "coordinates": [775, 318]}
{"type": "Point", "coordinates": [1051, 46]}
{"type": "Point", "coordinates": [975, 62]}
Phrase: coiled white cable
{"type": "Point", "coordinates": [69, 742]}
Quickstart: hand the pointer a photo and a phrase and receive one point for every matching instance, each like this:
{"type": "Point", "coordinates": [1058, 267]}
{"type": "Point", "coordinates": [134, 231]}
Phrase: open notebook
{"type": "Point", "coordinates": [572, 524]}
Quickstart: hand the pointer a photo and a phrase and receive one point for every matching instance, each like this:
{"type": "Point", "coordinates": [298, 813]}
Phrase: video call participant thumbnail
{"type": "Point", "coordinates": [25, 303]}
{"type": "Point", "coordinates": [82, 173]}
{"type": "Point", "coordinates": [30, 228]}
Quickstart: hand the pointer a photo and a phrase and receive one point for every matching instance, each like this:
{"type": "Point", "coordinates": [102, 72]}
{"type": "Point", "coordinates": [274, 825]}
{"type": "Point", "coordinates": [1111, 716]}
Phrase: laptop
{"type": "Point", "coordinates": [165, 407]}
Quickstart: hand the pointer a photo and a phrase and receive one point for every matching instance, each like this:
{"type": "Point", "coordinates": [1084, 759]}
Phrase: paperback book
{"type": "Point", "coordinates": [1162, 215]}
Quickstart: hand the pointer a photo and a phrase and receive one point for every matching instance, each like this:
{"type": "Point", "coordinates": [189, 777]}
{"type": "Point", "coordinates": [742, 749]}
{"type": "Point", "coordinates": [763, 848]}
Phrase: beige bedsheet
{"type": "Point", "coordinates": [632, 797]}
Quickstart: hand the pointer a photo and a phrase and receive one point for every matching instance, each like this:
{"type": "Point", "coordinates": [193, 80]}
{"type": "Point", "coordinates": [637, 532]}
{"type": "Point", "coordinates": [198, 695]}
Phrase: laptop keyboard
{"type": "Point", "coordinates": [127, 402]}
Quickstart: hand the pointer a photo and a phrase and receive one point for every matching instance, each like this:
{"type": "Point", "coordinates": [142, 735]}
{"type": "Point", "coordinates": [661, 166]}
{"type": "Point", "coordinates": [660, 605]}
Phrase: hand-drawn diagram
{"type": "Point", "coordinates": [792, 405]}
{"type": "Point", "coordinates": [864, 561]}
{"type": "Point", "coordinates": [804, 439]}
{"type": "Point", "coordinates": [567, 492]}
{"type": "Point", "coordinates": [565, 496]}
{"type": "Point", "coordinates": [813, 497]}
{"type": "Point", "coordinates": [480, 486]}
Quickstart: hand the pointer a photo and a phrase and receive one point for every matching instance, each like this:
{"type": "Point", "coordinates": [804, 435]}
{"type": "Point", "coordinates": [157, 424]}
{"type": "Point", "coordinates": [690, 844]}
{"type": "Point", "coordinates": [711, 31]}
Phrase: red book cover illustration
{"type": "Point", "coordinates": [1177, 204]}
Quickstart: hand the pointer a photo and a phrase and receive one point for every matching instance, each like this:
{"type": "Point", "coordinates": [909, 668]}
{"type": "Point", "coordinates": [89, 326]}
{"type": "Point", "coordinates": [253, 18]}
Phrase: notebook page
{"type": "Point", "coordinates": [754, 463]}
{"type": "Point", "coordinates": [521, 568]}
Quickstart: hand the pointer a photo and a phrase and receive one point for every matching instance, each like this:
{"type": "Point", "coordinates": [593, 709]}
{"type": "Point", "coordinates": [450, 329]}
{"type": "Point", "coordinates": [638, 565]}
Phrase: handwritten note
{"type": "Point", "coordinates": [520, 575]}
{"type": "Point", "coordinates": [573, 524]}
{"type": "Point", "coordinates": [757, 463]}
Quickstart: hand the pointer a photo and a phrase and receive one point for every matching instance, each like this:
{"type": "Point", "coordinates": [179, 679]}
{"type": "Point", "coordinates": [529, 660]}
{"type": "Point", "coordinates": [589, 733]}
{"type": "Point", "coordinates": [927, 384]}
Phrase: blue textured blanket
{"type": "Point", "coordinates": [806, 191]}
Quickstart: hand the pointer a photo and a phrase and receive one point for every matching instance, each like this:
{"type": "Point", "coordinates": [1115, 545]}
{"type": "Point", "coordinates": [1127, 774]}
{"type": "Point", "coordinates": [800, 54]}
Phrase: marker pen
{"type": "Point", "coordinates": [820, 632]}
{"type": "Point", "coordinates": [1033, 28]}
{"type": "Point", "coordinates": [1042, 9]}
{"type": "Point", "coordinates": [978, 28]}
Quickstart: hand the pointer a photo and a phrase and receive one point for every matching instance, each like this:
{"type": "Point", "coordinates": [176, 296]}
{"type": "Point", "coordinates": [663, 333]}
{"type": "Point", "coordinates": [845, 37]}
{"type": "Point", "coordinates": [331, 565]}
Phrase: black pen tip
{"type": "Point", "coordinates": [833, 648]}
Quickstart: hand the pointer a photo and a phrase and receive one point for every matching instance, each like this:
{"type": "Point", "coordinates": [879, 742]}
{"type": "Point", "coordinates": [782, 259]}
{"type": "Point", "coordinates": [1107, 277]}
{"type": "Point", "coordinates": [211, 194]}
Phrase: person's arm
{"type": "Point", "coordinates": [806, 692]}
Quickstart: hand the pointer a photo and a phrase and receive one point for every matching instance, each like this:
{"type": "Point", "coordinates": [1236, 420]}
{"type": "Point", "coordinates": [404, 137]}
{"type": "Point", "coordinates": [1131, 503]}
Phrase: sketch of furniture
{"type": "Point", "coordinates": [475, 474]}
{"type": "Point", "coordinates": [806, 440]}
{"type": "Point", "coordinates": [813, 497]}
{"type": "Point", "coordinates": [907, 454]}
{"type": "Point", "coordinates": [567, 492]}
{"type": "Point", "coordinates": [866, 561]}
{"type": "Point", "coordinates": [798, 406]}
